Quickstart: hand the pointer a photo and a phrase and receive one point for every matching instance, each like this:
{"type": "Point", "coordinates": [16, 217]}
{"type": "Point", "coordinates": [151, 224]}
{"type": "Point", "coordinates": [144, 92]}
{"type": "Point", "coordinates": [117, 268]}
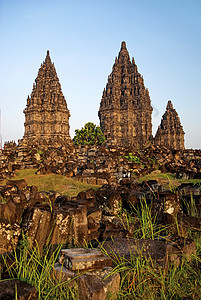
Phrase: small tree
{"type": "Point", "coordinates": [90, 134]}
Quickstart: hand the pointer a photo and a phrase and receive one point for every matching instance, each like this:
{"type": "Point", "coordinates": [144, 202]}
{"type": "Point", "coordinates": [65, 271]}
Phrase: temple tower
{"type": "Point", "coordinates": [46, 112]}
{"type": "Point", "coordinates": [125, 108]}
{"type": "Point", "coordinates": [170, 133]}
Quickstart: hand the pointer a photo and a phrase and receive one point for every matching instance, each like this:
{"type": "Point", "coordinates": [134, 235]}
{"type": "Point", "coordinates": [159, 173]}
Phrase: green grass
{"type": "Point", "coordinates": [71, 187]}
{"type": "Point", "coordinates": [140, 278]}
{"type": "Point", "coordinates": [37, 268]}
{"type": "Point", "coordinates": [47, 182]}
{"type": "Point", "coordinates": [168, 180]}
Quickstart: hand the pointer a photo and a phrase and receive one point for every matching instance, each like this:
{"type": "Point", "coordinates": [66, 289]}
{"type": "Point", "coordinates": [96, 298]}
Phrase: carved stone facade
{"type": "Point", "coordinates": [46, 113]}
{"type": "Point", "coordinates": [170, 133]}
{"type": "Point", "coordinates": [125, 109]}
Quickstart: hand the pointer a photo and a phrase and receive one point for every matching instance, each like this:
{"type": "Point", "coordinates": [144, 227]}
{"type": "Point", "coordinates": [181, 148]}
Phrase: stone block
{"type": "Point", "coordinates": [89, 202]}
{"type": "Point", "coordinates": [79, 259]}
{"type": "Point", "coordinates": [37, 224]}
{"type": "Point", "coordinates": [9, 234]}
{"type": "Point", "coordinates": [98, 285]}
{"type": "Point", "coordinates": [101, 181]}
{"type": "Point", "coordinates": [20, 184]}
{"type": "Point", "coordinates": [80, 225]}
{"type": "Point", "coordinates": [8, 190]}
{"type": "Point", "coordinates": [115, 202]}
{"type": "Point", "coordinates": [182, 248]}
{"type": "Point", "coordinates": [90, 193]}
{"type": "Point", "coordinates": [70, 220]}
{"type": "Point", "coordinates": [171, 202]}
{"type": "Point", "coordinates": [16, 289]}
{"type": "Point", "coordinates": [112, 227]}
{"type": "Point", "coordinates": [156, 250]}
{"type": "Point", "coordinates": [8, 211]}
{"type": "Point", "coordinates": [62, 274]}
{"type": "Point", "coordinates": [62, 232]}
{"type": "Point", "coordinates": [94, 217]}
{"type": "Point", "coordinates": [92, 180]}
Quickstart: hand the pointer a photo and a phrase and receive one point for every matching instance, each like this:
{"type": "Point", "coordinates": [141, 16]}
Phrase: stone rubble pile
{"type": "Point", "coordinates": [89, 216]}
{"type": "Point", "coordinates": [95, 216]}
{"type": "Point", "coordinates": [99, 164]}
{"type": "Point", "coordinates": [91, 269]}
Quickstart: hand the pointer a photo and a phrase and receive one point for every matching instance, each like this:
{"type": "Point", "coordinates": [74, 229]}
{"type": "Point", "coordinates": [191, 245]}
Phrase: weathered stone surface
{"type": "Point", "coordinates": [188, 249]}
{"type": "Point", "coordinates": [63, 274]}
{"type": "Point", "coordinates": [94, 216]}
{"type": "Point", "coordinates": [46, 113]}
{"type": "Point", "coordinates": [80, 225]}
{"type": "Point", "coordinates": [62, 223]}
{"type": "Point", "coordinates": [70, 223]}
{"type": "Point", "coordinates": [171, 202]}
{"type": "Point", "coordinates": [182, 248]}
{"type": "Point", "coordinates": [125, 109]}
{"type": "Point", "coordinates": [20, 184]}
{"type": "Point", "coordinates": [148, 248]}
{"type": "Point", "coordinates": [102, 196]}
{"type": "Point", "coordinates": [37, 225]}
{"type": "Point", "coordinates": [62, 230]}
{"type": "Point", "coordinates": [79, 259]}
{"type": "Point", "coordinates": [95, 285]}
{"type": "Point", "coordinates": [112, 226]}
{"type": "Point", "coordinates": [191, 222]}
{"type": "Point", "coordinates": [16, 289]}
{"type": "Point", "coordinates": [170, 132]}
{"type": "Point", "coordinates": [8, 211]}
{"type": "Point", "coordinates": [9, 234]}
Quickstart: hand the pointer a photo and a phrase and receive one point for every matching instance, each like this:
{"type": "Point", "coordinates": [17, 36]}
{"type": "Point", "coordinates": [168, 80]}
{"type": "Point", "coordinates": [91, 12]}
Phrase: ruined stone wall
{"type": "Point", "coordinates": [99, 164]}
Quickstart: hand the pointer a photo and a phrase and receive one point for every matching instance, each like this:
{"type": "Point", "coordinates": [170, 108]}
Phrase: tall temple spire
{"type": "Point", "coordinates": [125, 108]}
{"type": "Point", "coordinates": [170, 133]}
{"type": "Point", "coordinates": [46, 113]}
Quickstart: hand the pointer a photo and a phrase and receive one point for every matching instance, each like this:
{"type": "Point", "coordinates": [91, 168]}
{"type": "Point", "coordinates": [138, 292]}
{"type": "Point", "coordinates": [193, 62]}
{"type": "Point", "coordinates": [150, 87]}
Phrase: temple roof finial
{"type": "Point", "coordinates": [123, 45]}
{"type": "Point", "coordinates": [169, 105]}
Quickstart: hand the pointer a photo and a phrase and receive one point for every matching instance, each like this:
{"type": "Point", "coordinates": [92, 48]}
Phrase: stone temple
{"type": "Point", "coordinates": [170, 133]}
{"type": "Point", "coordinates": [125, 109]}
{"type": "Point", "coordinates": [46, 112]}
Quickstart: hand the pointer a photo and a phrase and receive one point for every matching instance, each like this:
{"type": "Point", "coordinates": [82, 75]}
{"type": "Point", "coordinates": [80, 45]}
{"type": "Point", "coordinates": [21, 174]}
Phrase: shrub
{"type": "Point", "coordinates": [90, 134]}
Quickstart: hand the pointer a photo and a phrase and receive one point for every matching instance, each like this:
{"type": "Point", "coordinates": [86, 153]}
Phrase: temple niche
{"type": "Point", "coordinates": [170, 133]}
{"type": "Point", "coordinates": [46, 112]}
{"type": "Point", "coordinates": [125, 108]}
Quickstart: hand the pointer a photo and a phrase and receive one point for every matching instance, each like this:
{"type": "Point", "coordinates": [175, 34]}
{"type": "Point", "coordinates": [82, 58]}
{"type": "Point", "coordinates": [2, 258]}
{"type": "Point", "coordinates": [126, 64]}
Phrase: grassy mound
{"type": "Point", "coordinates": [55, 182]}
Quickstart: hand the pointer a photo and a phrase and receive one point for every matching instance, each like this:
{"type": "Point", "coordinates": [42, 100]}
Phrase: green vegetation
{"type": "Point", "coordinates": [47, 182]}
{"type": "Point", "coordinates": [90, 134]}
{"type": "Point", "coordinates": [140, 223]}
{"type": "Point", "coordinates": [37, 268]}
{"type": "Point", "coordinates": [168, 180]}
{"type": "Point", "coordinates": [140, 277]}
{"type": "Point", "coordinates": [132, 158]}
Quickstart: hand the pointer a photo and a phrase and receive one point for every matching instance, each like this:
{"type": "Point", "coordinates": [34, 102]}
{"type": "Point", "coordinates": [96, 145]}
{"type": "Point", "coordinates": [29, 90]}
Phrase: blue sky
{"type": "Point", "coordinates": [84, 37]}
